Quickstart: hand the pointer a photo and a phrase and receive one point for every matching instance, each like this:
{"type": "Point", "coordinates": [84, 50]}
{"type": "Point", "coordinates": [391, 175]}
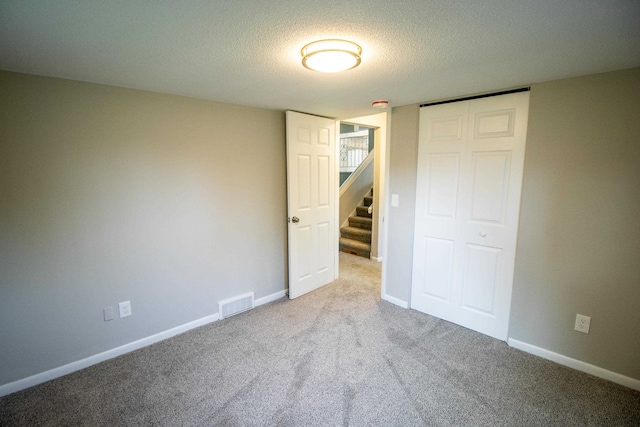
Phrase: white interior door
{"type": "Point", "coordinates": [469, 181]}
{"type": "Point", "coordinates": [311, 194]}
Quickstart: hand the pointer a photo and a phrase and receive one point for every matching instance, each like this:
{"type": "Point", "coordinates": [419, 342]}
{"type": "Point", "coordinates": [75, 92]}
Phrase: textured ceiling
{"type": "Point", "coordinates": [248, 51]}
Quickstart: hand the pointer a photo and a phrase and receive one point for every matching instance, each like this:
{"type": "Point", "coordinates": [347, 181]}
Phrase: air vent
{"type": "Point", "coordinates": [235, 305]}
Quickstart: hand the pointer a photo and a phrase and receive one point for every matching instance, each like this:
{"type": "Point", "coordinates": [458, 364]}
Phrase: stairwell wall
{"type": "Point", "coordinates": [351, 196]}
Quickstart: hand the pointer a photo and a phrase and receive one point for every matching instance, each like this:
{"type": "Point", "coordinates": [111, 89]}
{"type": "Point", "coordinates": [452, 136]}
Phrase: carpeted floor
{"type": "Point", "coordinates": [336, 357]}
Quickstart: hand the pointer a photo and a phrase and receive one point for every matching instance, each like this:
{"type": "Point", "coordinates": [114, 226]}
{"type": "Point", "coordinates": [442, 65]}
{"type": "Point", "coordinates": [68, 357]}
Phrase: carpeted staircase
{"type": "Point", "coordinates": [356, 237]}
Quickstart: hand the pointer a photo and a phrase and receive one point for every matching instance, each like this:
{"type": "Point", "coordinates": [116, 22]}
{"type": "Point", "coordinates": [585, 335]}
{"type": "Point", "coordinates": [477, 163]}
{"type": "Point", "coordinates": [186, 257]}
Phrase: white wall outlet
{"type": "Point", "coordinates": [108, 313]}
{"type": "Point", "coordinates": [582, 323]}
{"type": "Point", "coordinates": [394, 200]}
{"type": "Point", "coordinates": [125, 309]}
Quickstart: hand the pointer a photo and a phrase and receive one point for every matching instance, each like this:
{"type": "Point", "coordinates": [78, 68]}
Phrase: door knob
{"type": "Point", "coordinates": [295, 220]}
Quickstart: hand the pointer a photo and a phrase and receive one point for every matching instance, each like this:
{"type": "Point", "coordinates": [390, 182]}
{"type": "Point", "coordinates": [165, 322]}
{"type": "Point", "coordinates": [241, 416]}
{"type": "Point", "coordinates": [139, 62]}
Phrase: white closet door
{"type": "Point", "coordinates": [469, 180]}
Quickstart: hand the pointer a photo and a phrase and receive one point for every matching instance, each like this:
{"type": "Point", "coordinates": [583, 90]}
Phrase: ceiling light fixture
{"type": "Point", "coordinates": [380, 103]}
{"type": "Point", "coordinates": [331, 56]}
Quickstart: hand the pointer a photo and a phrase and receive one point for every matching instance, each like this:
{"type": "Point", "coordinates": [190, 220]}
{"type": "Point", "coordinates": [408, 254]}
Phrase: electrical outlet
{"type": "Point", "coordinates": [125, 309]}
{"type": "Point", "coordinates": [582, 323]}
{"type": "Point", "coordinates": [108, 313]}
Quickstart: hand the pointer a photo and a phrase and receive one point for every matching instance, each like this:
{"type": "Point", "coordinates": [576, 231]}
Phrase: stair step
{"type": "Point", "coordinates": [363, 211]}
{"type": "Point", "coordinates": [356, 233]}
{"type": "Point", "coordinates": [360, 222]}
{"type": "Point", "coordinates": [355, 247]}
{"type": "Point", "coordinates": [368, 200]}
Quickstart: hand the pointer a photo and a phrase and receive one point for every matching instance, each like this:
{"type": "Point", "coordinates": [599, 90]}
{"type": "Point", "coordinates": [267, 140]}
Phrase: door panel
{"type": "Point", "coordinates": [469, 179]}
{"type": "Point", "coordinates": [324, 250]}
{"type": "Point", "coordinates": [311, 193]}
{"type": "Point", "coordinates": [483, 264]}
{"type": "Point", "coordinates": [305, 248]}
{"type": "Point", "coordinates": [304, 183]}
{"type": "Point", "coordinates": [438, 263]}
{"type": "Point", "coordinates": [494, 124]}
{"type": "Point", "coordinates": [490, 186]}
{"type": "Point", "coordinates": [450, 128]}
{"type": "Point", "coordinates": [443, 185]}
{"type": "Point", "coordinates": [323, 182]}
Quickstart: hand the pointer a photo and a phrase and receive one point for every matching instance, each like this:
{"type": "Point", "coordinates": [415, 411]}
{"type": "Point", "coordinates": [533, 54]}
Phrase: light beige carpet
{"type": "Point", "coordinates": [338, 356]}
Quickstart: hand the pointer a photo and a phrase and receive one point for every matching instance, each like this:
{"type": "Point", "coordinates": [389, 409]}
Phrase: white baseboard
{"type": "Point", "coordinates": [269, 298]}
{"type": "Point", "coordinates": [576, 364]}
{"type": "Point", "coordinates": [118, 351]}
{"type": "Point", "coordinates": [101, 357]}
{"type": "Point", "coordinates": [376, 258]}
{"type": "Point", "coordinates": [394, 300]}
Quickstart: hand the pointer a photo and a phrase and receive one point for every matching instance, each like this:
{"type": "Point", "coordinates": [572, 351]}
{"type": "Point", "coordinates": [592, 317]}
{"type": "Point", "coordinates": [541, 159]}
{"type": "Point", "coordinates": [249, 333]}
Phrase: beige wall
{"type": "Point", "coordinates": [110, 194]}
{"type": "Point", "coordinates": [579, 238]}
{"type": "Point", "coordinates": [403, 161]}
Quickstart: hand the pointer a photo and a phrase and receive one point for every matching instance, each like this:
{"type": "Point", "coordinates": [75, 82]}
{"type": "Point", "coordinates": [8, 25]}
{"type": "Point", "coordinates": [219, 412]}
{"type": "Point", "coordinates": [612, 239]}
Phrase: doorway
{"type": "Point", "coordinates": [381, 125]}
{"type": "Point", "coordinates": [356, 167]}
{"type": "Point", "coordinates": [313, 245]}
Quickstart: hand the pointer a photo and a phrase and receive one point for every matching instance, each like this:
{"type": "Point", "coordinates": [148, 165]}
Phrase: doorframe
{"type": "Point", "coordinates": [382, 124]}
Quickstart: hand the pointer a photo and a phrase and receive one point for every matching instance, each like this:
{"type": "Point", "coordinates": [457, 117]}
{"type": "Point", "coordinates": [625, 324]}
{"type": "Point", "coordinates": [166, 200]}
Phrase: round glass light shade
{"type": "Point", "coordinates": [331, 56]}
